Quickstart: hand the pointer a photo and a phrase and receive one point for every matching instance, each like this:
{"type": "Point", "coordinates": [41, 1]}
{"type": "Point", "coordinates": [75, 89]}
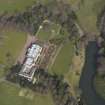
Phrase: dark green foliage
{"type": "Point", "coordinates": [55, 11]}
{"type": "Point", "coordinates": [59, 89]}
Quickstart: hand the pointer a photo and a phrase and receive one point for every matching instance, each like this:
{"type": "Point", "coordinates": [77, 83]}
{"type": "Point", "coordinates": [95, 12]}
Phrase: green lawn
{"type": "Point", "coordinates": [14, 5]}
{"type": "Point", "coordinates": [11, 44]}
{"type": "Point", "coordinates": [87, 14]}
{"type": "Point", "coordinates": [63, 60]}
{"type": "Point", "coordinates": [73, 78]}
{"type": "Point", "coordinates": [99, 84]}
{"type": "Point", "coordinates": [73, 2]}
{"type": "Point", "coordinates": [9, 95]}
{"type": "Point", "coordinates": [48, 30]}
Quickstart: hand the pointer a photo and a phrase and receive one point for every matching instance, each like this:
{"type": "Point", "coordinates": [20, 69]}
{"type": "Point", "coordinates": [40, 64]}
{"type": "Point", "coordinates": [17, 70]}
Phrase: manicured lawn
{"type": "Point", "coordinates": [14, 5]}
{"type": "Point", "coordinates": [9, 95]}
{"type": "Point", "coordinates": [48, 31]}
{"type": "Point", "coordinates": [73, 78]}
{"type": "Point", "coordinates": [99, 84]}
{"type": "Point", "coordinates": [74, 74]}
{"type": "Point", "coordinates": [11, 44]}
{"type": "Point", "coordinates": [63, 60]}
{"type": "Point", "coordinates": [73, 2]}
{"type": "Point", "coordinates": [87, 14]}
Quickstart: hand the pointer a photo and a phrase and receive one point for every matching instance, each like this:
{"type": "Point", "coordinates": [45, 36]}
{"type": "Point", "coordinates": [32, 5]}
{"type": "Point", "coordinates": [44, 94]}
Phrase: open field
{"type": "Point", "coordinates": [99, 83]}
{"type": "Point", "coordinates": [48, 30]}
{"type": "Point", "coordinates": [74, 74]}
{"type": "Point", "coordinates": [73, 2]}
{"type": "Point", "coordinates": [9, 95]}
{"type": "Point", "coordinates": [11, 43]}
{"type": "Point", "coordinates": [14, 5]}
{"type": "Point", "coordinates": [63, 60]}
{"type": "Point", "coordinates": [87, 13]}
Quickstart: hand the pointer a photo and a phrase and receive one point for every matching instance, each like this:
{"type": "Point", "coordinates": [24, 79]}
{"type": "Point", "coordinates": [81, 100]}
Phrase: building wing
{"type": "Point", "coordinates": [32, 56]}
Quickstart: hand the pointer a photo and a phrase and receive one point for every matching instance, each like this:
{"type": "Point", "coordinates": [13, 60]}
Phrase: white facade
{"type": "Point", "coordinates": [32, 56]}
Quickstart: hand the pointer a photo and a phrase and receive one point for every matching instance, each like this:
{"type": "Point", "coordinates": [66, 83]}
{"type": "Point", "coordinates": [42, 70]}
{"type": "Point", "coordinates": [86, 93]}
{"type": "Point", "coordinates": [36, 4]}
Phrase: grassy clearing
{"type": "Point", "coordinates": [14, 5]}
{"type": "Point", "coordinates": [63, 60]}
{"type": "Point", "coordinates": [87, 13]}
{"type": "Point", "coordinates": [11, 43]}
{"type": "Point", "coordinates": [99, 84]}
{"type": "Point", "coordinates": [73, 79]}
{"type": "Point", "coordinates": [73, 2]}
{"type": "Point", "coordinates": [48, 30]}
{"type": "Point", "coordinates": [74, 74]}
{"type": "Point", "coordinates": [62, 33]}
{"type": "Point", "coordinates": [9, 95]}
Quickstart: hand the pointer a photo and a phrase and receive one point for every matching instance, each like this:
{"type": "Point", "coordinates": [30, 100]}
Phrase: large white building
{"type": "Point", "coordinates": [32, 56]}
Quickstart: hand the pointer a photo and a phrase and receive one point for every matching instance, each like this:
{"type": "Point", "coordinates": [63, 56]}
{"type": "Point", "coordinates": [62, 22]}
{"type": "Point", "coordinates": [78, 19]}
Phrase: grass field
{"type": "Point", "coordinates": [63, 60]}
{"type": "Point", "coordinates": [99, 84]}
{"type": "Point", "coordinates": [48, 30]}
{"type": "Point", "coordinates": [14, 5]}
{"type": "Point", "coordinates": [73, 2]}
{"type": "Point", "coordinates": [11, 44]}
{"type": "Point", "coordinates": [87, 13]}
{"type": "Point", "coordinates": [9, 95]}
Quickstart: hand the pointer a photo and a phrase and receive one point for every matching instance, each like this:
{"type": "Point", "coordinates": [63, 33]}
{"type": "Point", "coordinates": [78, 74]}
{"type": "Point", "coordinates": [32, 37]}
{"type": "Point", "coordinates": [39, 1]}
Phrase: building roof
{"type": "Point", "coordinates": [31, 58]}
